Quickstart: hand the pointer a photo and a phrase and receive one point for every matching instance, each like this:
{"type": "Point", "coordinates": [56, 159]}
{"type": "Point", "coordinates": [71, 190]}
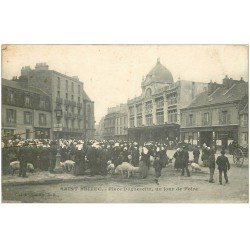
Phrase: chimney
{"type": "Point", "coordinates": [212, 86]}
{"type": "Point", "coordinates": [25, 70]}
{"type": "Point", "coordinates": [228, 82]}
{"type": "Point", "coordinates": [41, 66]}
{"type": "Point", "coordinates": [76, 78]}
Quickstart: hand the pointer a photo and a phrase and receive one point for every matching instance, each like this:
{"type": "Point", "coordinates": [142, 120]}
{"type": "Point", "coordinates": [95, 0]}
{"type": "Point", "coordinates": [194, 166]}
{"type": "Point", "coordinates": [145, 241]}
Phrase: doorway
{"type": "Point", "coordinates": [206, 137]}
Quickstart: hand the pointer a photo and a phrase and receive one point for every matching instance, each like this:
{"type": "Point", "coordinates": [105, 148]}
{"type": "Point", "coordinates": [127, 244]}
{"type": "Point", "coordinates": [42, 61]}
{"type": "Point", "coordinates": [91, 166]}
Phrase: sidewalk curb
{"type": "Point", "coordinates": [51, 181]}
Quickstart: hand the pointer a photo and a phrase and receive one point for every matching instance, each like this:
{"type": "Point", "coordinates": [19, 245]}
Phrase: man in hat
{"type": "Point", "coordinates": [211, 165]}
{"type": "Point", "coordinates": [185, 160]}
{"type": "Point", "coordinates": [23, 157]}
{"type": "Point", "coordinates": [223, 166]}
{"type": "Point", "coordinates": [196, 154]}
{"type": "Point", "coordinates": [158, 167]}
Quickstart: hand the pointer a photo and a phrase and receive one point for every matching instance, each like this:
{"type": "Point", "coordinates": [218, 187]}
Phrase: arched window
{"type": "Point", "coordinates": [148, 92]}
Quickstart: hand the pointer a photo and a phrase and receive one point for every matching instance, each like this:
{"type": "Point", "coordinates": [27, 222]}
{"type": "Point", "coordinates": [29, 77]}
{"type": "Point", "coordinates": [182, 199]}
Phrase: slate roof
{"type": "Point", "coordinates": [22, 86]}
{"type": "Point", "coordinates": [85, 96]}
{"type": "Point", "coordinates": [220, 96]}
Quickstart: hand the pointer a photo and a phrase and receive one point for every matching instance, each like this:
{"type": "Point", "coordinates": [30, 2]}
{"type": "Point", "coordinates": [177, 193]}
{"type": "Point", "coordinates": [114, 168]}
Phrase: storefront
{"type": "Point", "coordinates": [159, 133]}
{"type": "Point", "coordinates": [219, 136]}
{"type": "Point", "coordinates": [41, 133]}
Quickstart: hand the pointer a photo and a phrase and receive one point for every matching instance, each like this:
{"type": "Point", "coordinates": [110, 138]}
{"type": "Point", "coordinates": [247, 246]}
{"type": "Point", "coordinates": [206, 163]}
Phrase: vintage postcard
{"type": "Point", "coordinates": [124, 123]}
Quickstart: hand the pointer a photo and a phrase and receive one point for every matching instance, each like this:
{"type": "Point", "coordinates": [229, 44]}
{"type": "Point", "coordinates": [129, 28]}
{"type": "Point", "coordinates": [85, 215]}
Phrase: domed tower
{"type": "Point", "coordinates": [158, 77]}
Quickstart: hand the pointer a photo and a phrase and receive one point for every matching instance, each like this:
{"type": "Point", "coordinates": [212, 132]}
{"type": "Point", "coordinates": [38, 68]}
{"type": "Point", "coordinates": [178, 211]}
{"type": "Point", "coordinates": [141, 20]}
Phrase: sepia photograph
{"type": "Point", "coordinates": [124, 123]}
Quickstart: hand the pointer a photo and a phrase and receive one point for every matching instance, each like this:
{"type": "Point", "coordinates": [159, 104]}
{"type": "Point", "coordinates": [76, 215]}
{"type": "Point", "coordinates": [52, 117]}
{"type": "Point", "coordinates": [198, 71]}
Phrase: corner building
{"type": "Point", "coordinates": [155, 114]}
{"type": "Point", "coordinates": [72, 110]}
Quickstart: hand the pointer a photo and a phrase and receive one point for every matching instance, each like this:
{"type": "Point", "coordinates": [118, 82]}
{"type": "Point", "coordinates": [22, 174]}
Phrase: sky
{"type": "Point", "coordinates": [113, 73]}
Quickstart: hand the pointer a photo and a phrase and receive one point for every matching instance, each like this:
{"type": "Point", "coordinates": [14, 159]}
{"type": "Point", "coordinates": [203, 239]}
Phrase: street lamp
{"type": "Point", "coordinates": [58, 112]}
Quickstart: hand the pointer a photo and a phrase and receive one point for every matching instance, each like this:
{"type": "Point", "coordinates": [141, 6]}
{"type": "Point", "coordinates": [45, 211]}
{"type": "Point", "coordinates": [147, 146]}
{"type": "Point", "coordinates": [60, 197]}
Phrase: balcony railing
{"type": "Point", "coordinates": [68, 114]}
{"type": "Point", "coordinates": [72, 130]}
{"type": "Point", "coordinates": [59, 100]}
{"type": "Point", "coordinates": [66, 102]}
{"type": "Point", "coordinates": [73, 103]}
{"type": "Point", "coordinates": [79, 105]}
{"type": "Point", "coordinates": [9, 124]}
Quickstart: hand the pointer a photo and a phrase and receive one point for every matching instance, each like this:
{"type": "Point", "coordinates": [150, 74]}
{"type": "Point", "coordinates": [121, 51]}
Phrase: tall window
{"type": "Point", "coordinates": [11, 116]}
{"type": "Point", "coordinates": [132, 122]}
{"type": "Point", "coordinates": [72, 87]}
{"type": "Point", "coordinates": [66, 96]}
{"type": "Point", "coordinates": [159, 102]}
{"type": "Point", "coordinates": [67, 85]}
{"type": "Point", "coordinates": [148, 107]}
{"type": "Point", "coordinates": [10, 97]}
{"type": "Point", "coordinates": [139, 108]}
{"type": "Point", "coordinates": [172, 116]}
{"type": "Point", "coordinates": [191, 120]}
{"type": "Point", "coordinates": [27, 117]}
{"type": "Point", "coordinates": [78, 98]}
{"type": "Point", "coordinates": [42, 120]}
{"type": "Point", "coordinates": [58, 83]}
{"type": "Point", "coordinates": [139, 121]}
{"type": "Point", "coordinates": [72, 98]}
{"type": "Point", "coordinates": [244, 120]}
{"type": "Point", "coordinates": [131, 110]}
{"type": "Point", "coordinates": [78, 89]}
{"type": "Point", "coordinates": [224, 115]}
{"type": "Point", "coordinates": [42, 104]}
{"type": "Point", "coordinates": [172, 99]}
{"type": "Point", "coordinates": [206, 119]}
{"type": "Point", "coordinates": [27, 101]}
{"type": "Point", "coordinates": [149, 120]}
{"type": "Point", "coordinates": [244, 138]}
{"type": "Point", "coordinates": [58, 93]}
{"type": "Point", "coordinates": [160, 118]}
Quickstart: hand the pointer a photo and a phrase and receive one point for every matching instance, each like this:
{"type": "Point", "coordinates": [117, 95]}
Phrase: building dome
{"type": "Point", "coordinates": [159, 74]}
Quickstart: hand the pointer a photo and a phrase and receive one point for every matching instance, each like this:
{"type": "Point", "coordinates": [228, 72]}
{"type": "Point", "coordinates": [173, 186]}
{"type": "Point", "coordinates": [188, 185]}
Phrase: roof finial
{"type": "Point", "coordinates": [158, 60]}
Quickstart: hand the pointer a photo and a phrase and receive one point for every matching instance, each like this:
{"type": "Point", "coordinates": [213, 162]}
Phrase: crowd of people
{"type": "Point", "coordinates": [92, 156]}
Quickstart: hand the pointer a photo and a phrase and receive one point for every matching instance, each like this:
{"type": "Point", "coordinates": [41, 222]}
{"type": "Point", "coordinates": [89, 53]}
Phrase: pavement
{"type": "Point", "coordinates": [40, 178]}
{"type": "Point", "coordinates": [172, 188]}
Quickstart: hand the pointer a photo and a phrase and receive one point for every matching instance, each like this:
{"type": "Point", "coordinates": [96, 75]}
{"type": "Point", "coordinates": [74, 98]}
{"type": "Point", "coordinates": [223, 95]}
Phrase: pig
{"type": "Point", "coordinates": [110, 167]}
{"type": "Point", "coordinates": [67, 165]}
{"type": "Point", "coordinates": [15, 166]}
{"type": "Point", "coordinates": [195, 167]}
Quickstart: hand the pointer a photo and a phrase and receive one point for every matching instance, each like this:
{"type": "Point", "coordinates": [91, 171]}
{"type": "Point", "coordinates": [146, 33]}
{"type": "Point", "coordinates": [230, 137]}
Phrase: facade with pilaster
{"type": "Point", "coordinates": [155, 114]}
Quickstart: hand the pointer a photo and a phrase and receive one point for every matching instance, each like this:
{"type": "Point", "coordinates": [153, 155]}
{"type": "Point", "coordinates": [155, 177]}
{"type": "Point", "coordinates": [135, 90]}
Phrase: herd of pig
{"type": "Point", "coordinates": [124, 169]}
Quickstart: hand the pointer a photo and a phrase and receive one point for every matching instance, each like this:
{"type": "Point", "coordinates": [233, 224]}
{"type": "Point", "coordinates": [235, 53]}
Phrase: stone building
{"type": "Point", "coordinates": [115, 123]}
{"type": "Point", "coordinates": [72, 110]}
{"type": "Point", "coordinates": [26, 111]}
{"type": "Point", "coordinates": [213, 117]}
{"type": "Point", "coordinates": [155, 114]}
{"type": "Point", "coordinates": [99, 132]}
{"type": "Point", "coordinates": [243, 122]}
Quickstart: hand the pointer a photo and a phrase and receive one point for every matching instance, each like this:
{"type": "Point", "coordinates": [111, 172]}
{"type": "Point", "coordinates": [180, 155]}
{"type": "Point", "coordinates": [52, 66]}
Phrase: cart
{"type": "Point", "coordinates": [239, 155]}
